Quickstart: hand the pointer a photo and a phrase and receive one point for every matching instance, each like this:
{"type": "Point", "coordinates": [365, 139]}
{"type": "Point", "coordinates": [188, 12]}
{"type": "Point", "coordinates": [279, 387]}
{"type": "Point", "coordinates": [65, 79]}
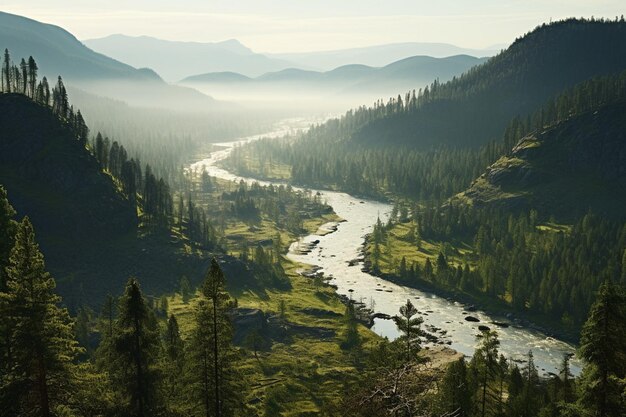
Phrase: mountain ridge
{"type": "Point", "coordinates": [58, 52]}
{"type": "Point", "coordinates": [190, 57]}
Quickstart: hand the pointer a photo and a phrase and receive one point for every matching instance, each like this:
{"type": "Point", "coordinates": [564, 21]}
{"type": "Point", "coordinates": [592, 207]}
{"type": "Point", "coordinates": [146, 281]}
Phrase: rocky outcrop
{"type": "Point", "coordinates": [565, 170]}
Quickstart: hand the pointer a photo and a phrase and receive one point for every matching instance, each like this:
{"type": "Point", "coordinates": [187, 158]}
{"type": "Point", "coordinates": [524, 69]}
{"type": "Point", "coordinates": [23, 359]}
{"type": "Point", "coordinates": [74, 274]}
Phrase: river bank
{"type": "Point", "coordinates": [333, 253]}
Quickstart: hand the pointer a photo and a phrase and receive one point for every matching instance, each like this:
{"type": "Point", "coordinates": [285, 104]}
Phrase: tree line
{"type": "Point", "coordinates": [516, 259]}
{"type": "Point", "coordinates": [22, 79]}
{"type": "Point", "coordinates": [326, 157]}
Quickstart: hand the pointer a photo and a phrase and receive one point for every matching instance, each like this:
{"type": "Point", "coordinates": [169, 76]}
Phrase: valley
{"type": "Point", "coordinates": [308, 211]}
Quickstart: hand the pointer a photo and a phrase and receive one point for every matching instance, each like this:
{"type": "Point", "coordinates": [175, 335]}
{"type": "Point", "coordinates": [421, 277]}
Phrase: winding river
{"type": "Point", "coordinates": [333, 253]}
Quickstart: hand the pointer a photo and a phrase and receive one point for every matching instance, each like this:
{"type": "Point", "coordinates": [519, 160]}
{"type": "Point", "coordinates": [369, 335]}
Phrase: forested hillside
{"type": "Point", "coordinates": [476, 107]}
{"type": "Point", "coordinates": [334, 154]}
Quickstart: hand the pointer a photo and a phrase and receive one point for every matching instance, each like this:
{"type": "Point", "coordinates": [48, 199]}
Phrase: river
{"type": "Point", "coordinates": [443, 317]}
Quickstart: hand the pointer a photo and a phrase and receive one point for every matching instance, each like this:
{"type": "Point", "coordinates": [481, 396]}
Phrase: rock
{"type": "Point", "coordinates": [380, 316]}
{"type": "Point", "coordinates": [483, 328]}
{"type": "Point", "coordinates": [245, 320]}
{"type": "Point", "coordinates": [500, 324]}
{"type": "Point", "coordinates": [318, 312]}
{"type": "Point", "coordinates": [472, 319]}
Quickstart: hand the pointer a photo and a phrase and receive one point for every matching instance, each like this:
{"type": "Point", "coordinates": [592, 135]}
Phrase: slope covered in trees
{"type": "Point", "coordinates": [84, 208]}
{"type": "Point", "coordinates": [572, 161]}
{"type": "Point", "coordinates": [476, 107]}
{"type": "Point", "coordinates": [331, 155]}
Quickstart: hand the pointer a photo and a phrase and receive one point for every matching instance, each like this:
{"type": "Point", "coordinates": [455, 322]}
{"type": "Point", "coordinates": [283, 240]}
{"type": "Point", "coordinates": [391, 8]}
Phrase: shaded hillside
{"type": "Point", "coordinates": [86, 227]}
{"type": "Point", "coordinates": [49, 172]}
{"type": "Point", "coordinates": [575, 166]}
{"type": "Point", "coordinates": [476, 107]}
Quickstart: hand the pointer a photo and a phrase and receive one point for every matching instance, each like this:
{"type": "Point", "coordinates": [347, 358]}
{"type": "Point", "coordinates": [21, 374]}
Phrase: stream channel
{"type": "Point", "coordinates": [334, 251]}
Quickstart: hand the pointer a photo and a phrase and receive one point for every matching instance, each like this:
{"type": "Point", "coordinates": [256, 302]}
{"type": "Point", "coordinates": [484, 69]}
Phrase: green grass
{"type": "Point", "coordinates": [266, 170]}
{"type": "Point", "coordinates": [399, 244]}
{"type": "Point", "coordinates": [306, 372]}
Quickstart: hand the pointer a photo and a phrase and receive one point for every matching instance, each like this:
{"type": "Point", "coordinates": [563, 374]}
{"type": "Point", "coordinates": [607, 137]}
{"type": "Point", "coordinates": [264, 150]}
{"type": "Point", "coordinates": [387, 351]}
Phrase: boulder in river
{"type": "Point", "coordinates": [472, 319]}
{"type": "Point", "coordinates": [483, 328]}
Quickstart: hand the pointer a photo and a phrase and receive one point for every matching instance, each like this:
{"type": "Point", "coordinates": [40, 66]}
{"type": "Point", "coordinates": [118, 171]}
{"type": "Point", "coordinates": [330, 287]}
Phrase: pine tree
{"type": "Point", "coordinates": [531, 383]}
{"type": "Point", "coordinates": [410, 327]}
{"type": "Point", "coordinates": [6, 71]}
{"type": "Point", "coordinates": [7, 239]}
{"type": "Point", "coordinates": [32, 76]}
{"type": "Point", "coordinates": [7, 234]}
{"type": "Point", "coordinates": [214, 381]}
{"type": "Point", "coordinates": [603, 348]}
{"type": "Point", "coordinates": [485, 368]}
{"type": "Point", "coordinates": [185, 289]}
{"type": "Point", "coordinates": [455, 395]}
{"type": "Point", "coordinates": [40, 373]}
{"type": "Point", "coordinates": [135, 347]}
{"type": "Point", "coordinates": [173, 367]}
{"type": "Point", "coordinates": [351, 338]}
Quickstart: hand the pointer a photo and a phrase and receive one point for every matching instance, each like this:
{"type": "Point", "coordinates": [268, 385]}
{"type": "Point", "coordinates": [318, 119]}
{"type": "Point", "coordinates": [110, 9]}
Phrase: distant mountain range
{"type": "Point", "coordinates": [348, 80]}
{"type": "Point", "coordinates": [58, 52]}
{"type": "Point", "coordinates": [177, 60]}
{"type": "Point", "coordinates": [476, 108]}
{"type": "Point", "coordinates": [380, 55]}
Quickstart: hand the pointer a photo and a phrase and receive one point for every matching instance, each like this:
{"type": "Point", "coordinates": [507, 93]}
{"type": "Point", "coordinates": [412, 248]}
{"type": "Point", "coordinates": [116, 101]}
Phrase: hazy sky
{"type": "Point", "coordinates": [307, 25]}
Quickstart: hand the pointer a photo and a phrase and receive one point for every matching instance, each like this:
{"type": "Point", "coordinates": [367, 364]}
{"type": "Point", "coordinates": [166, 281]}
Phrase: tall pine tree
{"type": "Point", "coordinates": [214, 380]}
{"type": "Point", "coordinates": [603, 348]}
{"type": "Point", "coordinates": [40, 374]}
{"type": "Point", "coordinates": [135, 348]}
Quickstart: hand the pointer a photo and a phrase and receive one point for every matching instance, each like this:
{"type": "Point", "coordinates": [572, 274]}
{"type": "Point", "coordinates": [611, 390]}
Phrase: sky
{"type": "Point", "coordinates": [279, 26]}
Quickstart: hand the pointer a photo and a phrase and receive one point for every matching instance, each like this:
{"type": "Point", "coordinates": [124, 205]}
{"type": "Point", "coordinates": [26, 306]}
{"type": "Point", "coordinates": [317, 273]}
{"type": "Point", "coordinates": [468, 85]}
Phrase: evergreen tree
{"type": "Point", "coordinates": [32, 76]}
{"type": "Point", "coordinates": [484, 369]}
{"type": "Point", "coordinates": [351, 338]}
{"type": "Point", "coordinates": [6, 71]}
{"type": "Point", "coordinates": [214, 380]}
{"type": "Point", "coordinates": [603, 348]}
{"type": "Point", "coordinates": [455, 394]}
{"type": "Point", "coordinates": [39, 375]}
{"type": "Point", "coordinates": [173, 368]}
{"type": "Point", "coordinates": [185, 289]}
{"type": "Point", "coordinates": [7, 234]}
{"type": "Point", "coordinates": [410, 327]}
{"type": "Point", "coordinates": [135, 348]}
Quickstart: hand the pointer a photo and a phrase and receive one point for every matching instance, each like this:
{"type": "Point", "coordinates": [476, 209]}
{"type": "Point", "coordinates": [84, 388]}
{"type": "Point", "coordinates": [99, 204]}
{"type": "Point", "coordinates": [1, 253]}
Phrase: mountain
{"type": "Point", "coordinates": [415, 69]}
{"type": "Point", "coordinates": [415, 72]}
{"type": "Point", "coordinates": [362, 83]}
{"type": "Point", "coordinates": [176, 60]}
{"type": "Point", "coordinates": [87, 229]}
{"type": "Point", "coordinates": [379, 55]}
{"type": "Point", "coordinates": [218, 77]}
{"type": "Point", "coordinates": [58, 52]}
{"type": "Point", "coordinates": [566, 170]}
{"type": "Point", "coordinates": [476, 107]}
